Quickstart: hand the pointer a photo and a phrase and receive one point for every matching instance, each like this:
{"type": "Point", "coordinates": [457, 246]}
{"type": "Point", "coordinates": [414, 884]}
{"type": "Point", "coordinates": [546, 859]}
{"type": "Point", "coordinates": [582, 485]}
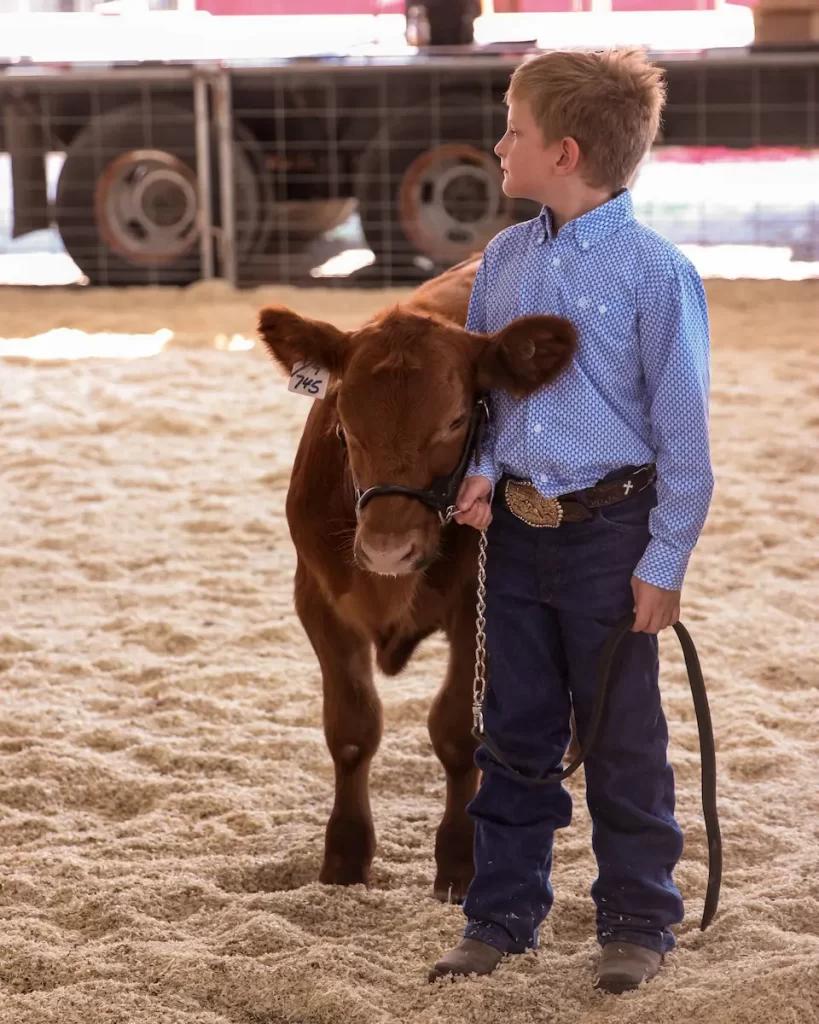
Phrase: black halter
{"type": "Point", "coordinates": [443, 492]}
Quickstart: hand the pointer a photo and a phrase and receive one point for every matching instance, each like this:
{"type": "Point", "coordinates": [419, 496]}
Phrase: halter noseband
{"type": "Point", "coordinates": [442, 494]}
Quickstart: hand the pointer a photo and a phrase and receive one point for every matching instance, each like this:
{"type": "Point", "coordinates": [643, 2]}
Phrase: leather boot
{"type": "Point", "coordinates": [469, 957]}
{"type": "Point", "coordinates": [624, 966]}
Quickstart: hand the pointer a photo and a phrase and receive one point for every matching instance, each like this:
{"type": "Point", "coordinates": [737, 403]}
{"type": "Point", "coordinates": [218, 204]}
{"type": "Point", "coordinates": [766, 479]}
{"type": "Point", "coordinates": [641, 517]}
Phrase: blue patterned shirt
{"type": "Point", "coordinates": [637, 390]}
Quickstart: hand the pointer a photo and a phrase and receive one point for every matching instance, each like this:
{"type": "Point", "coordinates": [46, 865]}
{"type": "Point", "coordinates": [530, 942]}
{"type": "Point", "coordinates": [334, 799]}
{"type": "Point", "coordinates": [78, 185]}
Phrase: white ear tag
{"type": "Point", "coordinates": [309, 380]}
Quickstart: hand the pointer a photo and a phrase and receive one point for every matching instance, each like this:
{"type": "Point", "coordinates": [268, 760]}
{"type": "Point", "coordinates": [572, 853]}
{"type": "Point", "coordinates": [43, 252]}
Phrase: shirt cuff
{"type": "Point", "coordinates": [663, 565]}
{"type": "Point", "coordinates": [486, 467]}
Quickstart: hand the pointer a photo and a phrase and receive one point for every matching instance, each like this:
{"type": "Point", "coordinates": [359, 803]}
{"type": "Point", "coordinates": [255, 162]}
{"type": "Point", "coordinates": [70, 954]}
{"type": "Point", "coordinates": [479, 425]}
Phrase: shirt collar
{"type": "Point", "coordinates": [546, 221]}
{"type": "Point", "coordinates": [595, 225]}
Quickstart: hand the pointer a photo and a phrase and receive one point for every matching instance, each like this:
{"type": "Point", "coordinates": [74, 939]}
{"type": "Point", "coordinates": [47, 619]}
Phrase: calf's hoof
{"type": "Point", "coordinates": [342, 871]}
{"type": "Point", "coordinates": [451, 884]}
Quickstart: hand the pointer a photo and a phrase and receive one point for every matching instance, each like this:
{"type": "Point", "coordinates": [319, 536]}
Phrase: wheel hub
{"type": "Point", "coordinates": [146, 206]}
{"type": "Point", "coordinates": [451, 202]}
{"type": "Point", "coordinates": [466, 196]}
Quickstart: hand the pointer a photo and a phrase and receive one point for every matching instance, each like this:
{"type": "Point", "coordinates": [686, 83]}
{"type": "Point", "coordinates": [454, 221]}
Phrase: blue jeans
{"type": "Point", "coordinates": [552, 597]}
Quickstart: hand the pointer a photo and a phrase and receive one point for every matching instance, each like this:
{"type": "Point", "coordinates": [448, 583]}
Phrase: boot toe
{"type": "Point", "coordinates": [624, 966]}
{"type": "Point", "coordinates": [469, 957]}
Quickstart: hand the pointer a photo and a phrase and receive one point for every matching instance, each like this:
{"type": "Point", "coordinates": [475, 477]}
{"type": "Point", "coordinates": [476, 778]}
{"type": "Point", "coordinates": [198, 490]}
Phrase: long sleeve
{"type": "Point", "coordinates": [674, 350]}
{"type": "Point", "coordinates": [476, 321]}
{"type": "Point", "coordinates": [486, 466]}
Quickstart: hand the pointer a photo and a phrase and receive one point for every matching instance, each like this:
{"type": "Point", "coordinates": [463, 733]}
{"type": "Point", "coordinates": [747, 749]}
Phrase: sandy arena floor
{"type": "Point", "coordinates": [164, 782]}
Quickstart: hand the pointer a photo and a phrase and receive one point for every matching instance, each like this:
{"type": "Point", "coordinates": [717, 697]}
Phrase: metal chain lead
{"type": "Point", "coordinates": [479, 682]}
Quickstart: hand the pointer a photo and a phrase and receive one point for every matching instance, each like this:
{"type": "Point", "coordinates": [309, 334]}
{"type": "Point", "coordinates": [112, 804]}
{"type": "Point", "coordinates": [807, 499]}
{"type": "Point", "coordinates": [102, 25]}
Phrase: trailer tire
{"type": "Point", "coordinates": [127, 202]}
{"type": "Point", "coordinates": [430, 205]}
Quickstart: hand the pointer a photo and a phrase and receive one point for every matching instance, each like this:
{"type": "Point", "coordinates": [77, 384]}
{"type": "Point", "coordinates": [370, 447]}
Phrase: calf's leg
{"type": "Point", "coordinates": [352, 727]}
{"type": "Point", "coordinates": [450, 729]}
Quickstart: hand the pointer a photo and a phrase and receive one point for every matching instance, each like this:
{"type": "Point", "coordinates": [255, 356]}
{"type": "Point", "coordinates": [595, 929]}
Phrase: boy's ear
{"type": "Point", "coordinates": [292, 338]}
{"type": "Point", "coordinates": [525, 355]}
{"type": "Point", "coordinates": [570, 156]}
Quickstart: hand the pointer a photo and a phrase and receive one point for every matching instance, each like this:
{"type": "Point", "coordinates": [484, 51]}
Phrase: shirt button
{"type": "Point", "coordinates": [543, 478]}
{"type": "Point", "coordinates": [537, 428]}
{"type": "Point", "coordinates": [584, 245]}
{"type": "Point", "coordinates": [601, 310]}
{"type": "Point", "coordinates": [556, 261]}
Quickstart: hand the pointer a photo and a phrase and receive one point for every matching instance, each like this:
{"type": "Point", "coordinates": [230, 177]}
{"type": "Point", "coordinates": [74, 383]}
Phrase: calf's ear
{"type": "Point", "coordinates": [292, 339]}
{"type": "Point", "coordinates": [527, 354]}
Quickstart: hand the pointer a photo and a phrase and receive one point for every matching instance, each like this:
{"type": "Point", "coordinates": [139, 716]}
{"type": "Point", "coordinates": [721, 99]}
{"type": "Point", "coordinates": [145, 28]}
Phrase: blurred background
{"type": "Point", "coordinates": [350, 141]}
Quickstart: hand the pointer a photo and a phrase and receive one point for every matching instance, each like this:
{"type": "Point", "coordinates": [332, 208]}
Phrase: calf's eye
{"type": "Point", "coordinates": [457, 424]}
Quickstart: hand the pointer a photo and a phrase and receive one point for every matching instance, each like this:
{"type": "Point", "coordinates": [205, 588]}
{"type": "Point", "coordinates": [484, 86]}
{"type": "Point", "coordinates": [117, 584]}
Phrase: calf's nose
{"type": "Point", "coordinates": [388, 555]}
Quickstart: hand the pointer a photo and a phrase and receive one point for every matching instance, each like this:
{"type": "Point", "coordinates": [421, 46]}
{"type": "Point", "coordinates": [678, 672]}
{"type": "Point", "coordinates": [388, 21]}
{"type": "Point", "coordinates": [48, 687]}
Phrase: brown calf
{"type": "Point", "coordinates": [402, 390]}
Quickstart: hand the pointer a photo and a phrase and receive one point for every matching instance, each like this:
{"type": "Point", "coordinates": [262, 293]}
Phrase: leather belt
{"type": "Point", "coordinates": [524, 500]}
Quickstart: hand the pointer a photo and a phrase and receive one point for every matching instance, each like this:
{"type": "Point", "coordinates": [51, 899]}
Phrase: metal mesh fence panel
{"type": "Point", "coordinates": [409, 148]}
{"type": "Point", "coordinates": [269, 174]}
{"type": "Point", "coordinates": [126, 201]}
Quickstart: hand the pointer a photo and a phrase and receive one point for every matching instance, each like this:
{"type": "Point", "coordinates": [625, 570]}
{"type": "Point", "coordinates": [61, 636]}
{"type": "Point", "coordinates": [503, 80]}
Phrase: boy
{"type": "Point", "coordinates": [631, 409]}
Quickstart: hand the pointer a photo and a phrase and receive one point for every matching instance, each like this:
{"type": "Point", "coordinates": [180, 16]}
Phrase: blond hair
{"type": "Point", "coordinates": [609, 103]}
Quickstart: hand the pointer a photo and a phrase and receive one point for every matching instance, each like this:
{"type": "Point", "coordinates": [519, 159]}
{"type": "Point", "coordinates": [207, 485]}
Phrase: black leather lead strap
{"type": "Point", "coordinates": [707, 750]}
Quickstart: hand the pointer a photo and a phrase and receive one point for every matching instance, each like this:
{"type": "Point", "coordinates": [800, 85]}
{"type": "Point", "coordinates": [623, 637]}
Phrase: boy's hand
{"type": "Point", "coordinates": [654, 608]}
{"type": "Point", "coordinates": [473, 502]}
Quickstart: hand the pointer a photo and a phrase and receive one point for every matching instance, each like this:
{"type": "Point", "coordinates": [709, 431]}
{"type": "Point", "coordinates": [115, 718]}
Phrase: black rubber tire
{"type": "Point", "coordinates": [389, 156]}
{"type": "Point", "coordinates": [170, 129]}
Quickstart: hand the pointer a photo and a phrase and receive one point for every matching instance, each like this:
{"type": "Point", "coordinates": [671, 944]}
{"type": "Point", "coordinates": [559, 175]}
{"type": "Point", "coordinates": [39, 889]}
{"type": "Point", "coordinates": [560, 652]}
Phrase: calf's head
{"type": "Point", "coordinates": [406, 389]}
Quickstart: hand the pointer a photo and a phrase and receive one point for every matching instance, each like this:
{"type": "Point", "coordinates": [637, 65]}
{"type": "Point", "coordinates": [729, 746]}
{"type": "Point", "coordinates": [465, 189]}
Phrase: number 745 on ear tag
{"type": "Point", "coordinates": [308, 379]}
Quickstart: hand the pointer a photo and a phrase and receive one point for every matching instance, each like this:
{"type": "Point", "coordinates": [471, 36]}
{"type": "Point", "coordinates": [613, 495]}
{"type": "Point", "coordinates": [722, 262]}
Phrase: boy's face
{"type": "Point", "coordinates": [532, 168]}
